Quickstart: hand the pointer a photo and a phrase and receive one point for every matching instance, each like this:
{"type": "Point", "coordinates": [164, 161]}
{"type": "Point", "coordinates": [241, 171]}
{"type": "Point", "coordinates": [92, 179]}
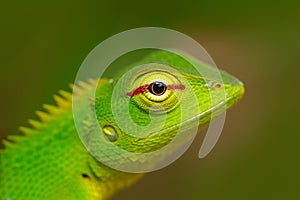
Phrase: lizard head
{"type": "Point", "coordinates": [158, 99]}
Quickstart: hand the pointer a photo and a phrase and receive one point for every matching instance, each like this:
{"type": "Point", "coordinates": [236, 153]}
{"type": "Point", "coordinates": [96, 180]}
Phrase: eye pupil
{"type": "Point", "coordinates": [157, 88]}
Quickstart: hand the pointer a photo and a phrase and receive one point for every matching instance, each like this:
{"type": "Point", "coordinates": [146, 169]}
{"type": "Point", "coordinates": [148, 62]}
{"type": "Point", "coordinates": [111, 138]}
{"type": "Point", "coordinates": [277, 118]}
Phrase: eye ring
{"type": "Point", "coordinates": [157, 88]}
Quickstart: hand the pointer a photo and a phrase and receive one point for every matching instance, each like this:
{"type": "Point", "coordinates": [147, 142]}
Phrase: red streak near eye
{"type": "Point", "coordinates": [176, 87]}
{"type": "Point", "coordinates": [143, 89]}
{"type": "Point", "coordinates": [138, 90]}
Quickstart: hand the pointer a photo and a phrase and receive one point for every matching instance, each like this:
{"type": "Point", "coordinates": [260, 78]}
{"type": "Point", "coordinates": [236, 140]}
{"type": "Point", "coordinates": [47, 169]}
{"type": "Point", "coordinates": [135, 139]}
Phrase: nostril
{"type": "Point", "coordinates": [218, 85]}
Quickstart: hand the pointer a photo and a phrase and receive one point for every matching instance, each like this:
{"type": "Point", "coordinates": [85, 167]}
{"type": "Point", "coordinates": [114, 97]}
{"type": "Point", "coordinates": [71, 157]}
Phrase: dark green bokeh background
{"type": "Point", "coordinates": [257, 156]}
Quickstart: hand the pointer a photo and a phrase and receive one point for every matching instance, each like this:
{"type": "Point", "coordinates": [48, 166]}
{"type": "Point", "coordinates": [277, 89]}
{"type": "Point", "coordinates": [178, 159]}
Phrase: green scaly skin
{"type": "Point", "coordinates": [50, 162]}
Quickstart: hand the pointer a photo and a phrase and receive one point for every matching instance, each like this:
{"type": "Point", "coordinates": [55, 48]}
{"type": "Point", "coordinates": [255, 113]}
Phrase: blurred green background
{"type": "Point", "coordinates": [257, 157]}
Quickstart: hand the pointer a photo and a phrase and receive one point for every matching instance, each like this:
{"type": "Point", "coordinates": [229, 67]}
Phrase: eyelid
{"type": "Point", "coordinates": [142, 73]}
{"type": "Point", "coordinates": [159, 80]}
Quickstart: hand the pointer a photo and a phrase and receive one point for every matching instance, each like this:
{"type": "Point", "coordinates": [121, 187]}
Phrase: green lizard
{"type": "Point", "coordinates": [50, 162]}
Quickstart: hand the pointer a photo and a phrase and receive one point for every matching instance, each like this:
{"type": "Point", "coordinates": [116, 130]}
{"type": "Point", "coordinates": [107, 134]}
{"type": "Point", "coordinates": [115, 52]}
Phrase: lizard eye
{"type": "Point", "coordinates": [157, 88]}
{"type": "Point", "coordinates": [157, 91]}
